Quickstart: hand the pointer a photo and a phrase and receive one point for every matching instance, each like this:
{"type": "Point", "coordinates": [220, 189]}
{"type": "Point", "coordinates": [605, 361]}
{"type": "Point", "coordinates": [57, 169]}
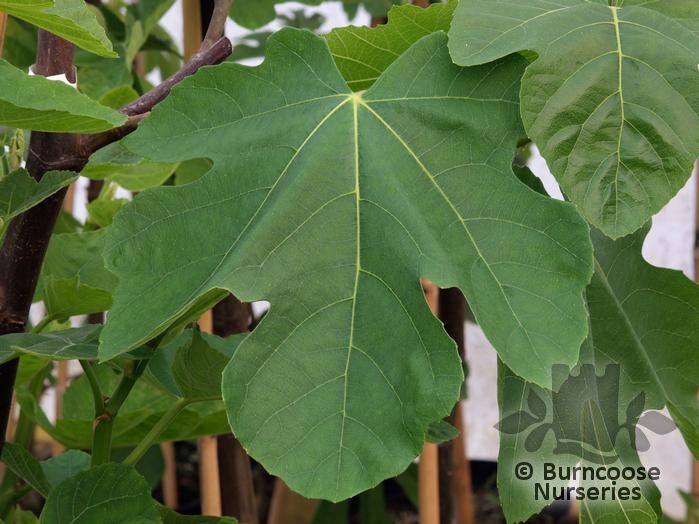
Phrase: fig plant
{"type": "Point", "coordinates": [328, 181]}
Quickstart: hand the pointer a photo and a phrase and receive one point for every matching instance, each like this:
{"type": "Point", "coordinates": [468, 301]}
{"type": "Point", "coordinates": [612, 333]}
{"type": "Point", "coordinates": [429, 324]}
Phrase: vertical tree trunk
{"type": "Point", "coordinates": [456, 493]}
{"type": "Point", "coordinates": [27, 236]}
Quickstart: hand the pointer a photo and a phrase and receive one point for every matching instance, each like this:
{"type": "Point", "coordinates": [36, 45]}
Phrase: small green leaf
{"type": "Point", "coordinates": [131, 171]}
{"type": "Point", "coordinates": [19, 191]}
{"type": "Point", "coordinates": [64, 466]}
{"type": "Point", "coordinates": [363, 53]}
{"type": "Point", "coordinates": [71, 344]}
{"type": "Point", "coordinates": [26, 467]}
{"type": "Point", "coordinates": [101, 212]}
{"type": "Point", "coordinates": [441, 431]}
{"type": "Point", "coordinates": [37, 104]}
{"type": "Point", "coordinates": [108, 494]}
{"type": "Point", "coordinates": [72, 20]}
{"type": "Point", "coordinates": [198, 367]}
{"type": "Point", "coordinates": [611, 100]}
{"type": "Point", "coordinates": [74, 280]}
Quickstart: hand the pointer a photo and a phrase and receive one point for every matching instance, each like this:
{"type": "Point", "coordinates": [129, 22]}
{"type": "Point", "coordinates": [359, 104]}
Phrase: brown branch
{"type": "Point", "coordinates": [217, 24]}
{"type": "Point", "coordinates": [215, 54]}
{"type": "Point", "coordinates": [27, 237]}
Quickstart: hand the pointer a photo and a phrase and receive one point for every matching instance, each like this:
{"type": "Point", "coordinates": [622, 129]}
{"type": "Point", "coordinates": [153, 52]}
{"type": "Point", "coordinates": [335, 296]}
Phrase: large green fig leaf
{"type": "Point", "coordinates": [19, 191]}
{"type": "Point", "coordinates": [611, 100]}
{"type": "Point", "coordinates": [646, 319]}
{"type": "Point", "coordinates": [69, 19]}
{"type": "Point", "coordinates": [108, 494]}
{"type": "Point", "coordinates": [363, 53]}
{"type": "Point", "coordinates": [332, 205]}
{"type": "Point", "coordinates": [38, 104]}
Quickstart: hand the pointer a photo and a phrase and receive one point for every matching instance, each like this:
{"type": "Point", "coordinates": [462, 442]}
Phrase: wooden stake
{"type": "Point", "coordinates": [3, 27]}
{"type": "Point", "coordinates": [428, 467]}
{"type": "Point", "coordinates": [456, 493]}
{"type": "Point", "coordinates": [170, 497]}
{"type": "Point", "coordinates": [191, 18]}
{"type": "Point", "coordinates": [288, 507]}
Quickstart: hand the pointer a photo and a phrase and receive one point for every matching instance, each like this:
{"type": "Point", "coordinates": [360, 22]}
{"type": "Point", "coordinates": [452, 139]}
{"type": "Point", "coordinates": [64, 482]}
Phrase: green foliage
{"type": "Point", "coordinates": [351, 262]}
{"type": "Point", "coordinates": [26, 467]}
{"type": "Point", "coordinates": [20, 192]}
{"type": "Point", "coordinates": [74, 280]}
{"type": "Point", "coordinates": [329, 181]}
{"type": "Point", "coordinates": [615, 117]}
{"type": "Point", "coordinates": [112, 493]}
{"type": "Point", "coordinates": [70, 19]}
{"type": "Point", "coordinates": [38, 104]}
{"type": "Point", "coordinates": [131, 171]}
{"type": "Point", "coordinates": [645, 318]}
{"type": "Point", "coordinates": [363, 53]}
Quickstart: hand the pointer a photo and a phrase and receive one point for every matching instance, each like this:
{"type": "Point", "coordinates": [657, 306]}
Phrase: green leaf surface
{"type": "Point", "coordinates": [646, 319]}
{"type": "Point", "coordinates": [684, 11]}
{"type": "Point", "coordinates": [441, 431]}
{"type": "Point", "coordinates": [611, 100]}
{"type": "Point", "coordinates": [72, 344]}
{"type": "Point", "coordinates": [520, 498]}
{"type": "Point", "coordinates": [64, 466]}
{"type": "Point", "coordinates": [363, 53]}
{"type": "Point", "coordinates": [74, 280]}
{"type": "Point", "coordinates": [19, 191]}
{"type": "Point", "coordinates": [25, 466]}
{"type": "Point", "coordinates": [169, 516]}
{"type": "Point", "coordinates": [37, 104]}
{"type": "Point", "coordinates": [191, 366]}
{"type": "Point", "coordinates": [340, 253]}
{"type": "Point", "coordinates": [72, 20]}
{"type": "Point", "coordinates": [108, 494]}
{"type": "Point", "coordinates": [170, 379]}
{"type": "Point", "coordinates": [131, 171]}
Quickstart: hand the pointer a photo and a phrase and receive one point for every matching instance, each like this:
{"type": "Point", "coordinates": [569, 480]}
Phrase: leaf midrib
{"type": "Point", "coordinates": [599, 272]}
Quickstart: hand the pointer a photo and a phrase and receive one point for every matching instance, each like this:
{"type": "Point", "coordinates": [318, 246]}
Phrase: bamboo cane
{"type": "Point", "coordinates": [3, 28]}
{"type": "Point", "coordinates": [288, 507]}
{"type": "Point", "coordinates": [209, 480]}
{"type": "Point", "coordinates": [428, 467]}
